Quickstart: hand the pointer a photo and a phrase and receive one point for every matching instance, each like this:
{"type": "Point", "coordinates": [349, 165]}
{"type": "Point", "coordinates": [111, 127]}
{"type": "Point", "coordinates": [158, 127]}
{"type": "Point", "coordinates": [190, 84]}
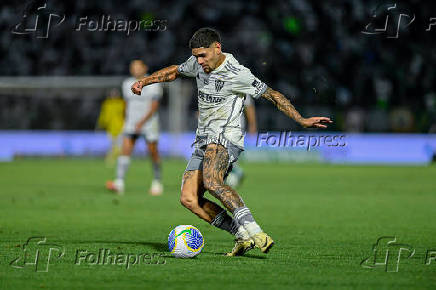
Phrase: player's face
{"type": "Point", "coordinates": [138, 69]}
{"type": "Point", "coordinates": [207, 57]}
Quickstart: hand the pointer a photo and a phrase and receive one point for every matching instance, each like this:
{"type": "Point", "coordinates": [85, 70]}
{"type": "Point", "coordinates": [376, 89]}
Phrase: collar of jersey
{"type": "Point", "coordinates": [227, 55]}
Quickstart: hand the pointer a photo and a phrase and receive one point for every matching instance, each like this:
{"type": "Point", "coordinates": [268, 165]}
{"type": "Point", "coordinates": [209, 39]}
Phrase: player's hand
{"type": "Point", "coordinates": [138, 127]}
{"type": "Point", "coordinates": [315, 122]}
{"type": "Point", "coordinates": [137, 87]}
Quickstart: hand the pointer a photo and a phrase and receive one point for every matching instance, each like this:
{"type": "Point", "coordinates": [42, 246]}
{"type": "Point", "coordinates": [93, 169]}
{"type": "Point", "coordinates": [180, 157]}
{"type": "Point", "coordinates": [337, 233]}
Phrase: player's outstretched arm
{"type": "Point", "coordinates": [284, 105]}
{"type": "Point", "coordinates": [167, 74]}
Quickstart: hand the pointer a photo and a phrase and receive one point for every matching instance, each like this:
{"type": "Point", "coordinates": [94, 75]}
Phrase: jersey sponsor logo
{"type": "Point", "coordinates": [208, 98]}
{"type": "Point", "coordinates": [201, 141]}
{"type": "Point", "coordinates": [219, 84]}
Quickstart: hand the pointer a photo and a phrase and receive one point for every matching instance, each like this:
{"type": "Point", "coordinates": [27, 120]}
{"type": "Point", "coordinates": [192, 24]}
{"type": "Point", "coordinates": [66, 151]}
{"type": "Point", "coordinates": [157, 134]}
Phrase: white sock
{"type": "Point", "coordinates": [244, 217]}
{"type": "Point", "coordinates": [242, 233]}
{"type": "Point", "coordinates": [252, 228]}
{"type": "Point", "coordinates": [122, 166]}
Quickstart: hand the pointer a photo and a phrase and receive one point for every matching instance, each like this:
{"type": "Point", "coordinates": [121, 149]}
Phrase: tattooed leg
{"type": "Point", "coordinates": [191, 190]}
{"type": "Point", "coordinates": [215, 165]}
{"type": "Point", "coordinates": [193, 198]}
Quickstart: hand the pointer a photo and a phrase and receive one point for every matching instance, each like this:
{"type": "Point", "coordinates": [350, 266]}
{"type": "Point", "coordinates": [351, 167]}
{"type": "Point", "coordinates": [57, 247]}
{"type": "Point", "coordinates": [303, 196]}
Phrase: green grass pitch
{"type": "Point", "coordinates": [324, 219]}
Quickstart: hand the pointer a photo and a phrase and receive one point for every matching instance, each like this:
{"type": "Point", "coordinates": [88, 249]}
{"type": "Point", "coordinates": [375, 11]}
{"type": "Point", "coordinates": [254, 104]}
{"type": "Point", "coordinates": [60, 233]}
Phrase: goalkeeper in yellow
{"type": "Point", "coordinates": [112, 120]}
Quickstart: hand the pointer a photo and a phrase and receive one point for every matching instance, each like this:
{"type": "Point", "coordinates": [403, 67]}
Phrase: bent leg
{"type": "Point", "coordinates": [216, 163]}
{"type": "Point", "coordinates": [191, 195]}
{"type": "Point", "coordinates": [193, 199]}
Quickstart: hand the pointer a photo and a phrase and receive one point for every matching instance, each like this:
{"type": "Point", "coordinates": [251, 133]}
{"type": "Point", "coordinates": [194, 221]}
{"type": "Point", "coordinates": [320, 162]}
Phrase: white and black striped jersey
{"type": "Point", "coordinates": [221, 95]}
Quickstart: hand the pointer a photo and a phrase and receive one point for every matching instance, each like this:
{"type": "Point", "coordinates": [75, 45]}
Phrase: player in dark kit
{"type": "Point", "coordinates": [222, 85]}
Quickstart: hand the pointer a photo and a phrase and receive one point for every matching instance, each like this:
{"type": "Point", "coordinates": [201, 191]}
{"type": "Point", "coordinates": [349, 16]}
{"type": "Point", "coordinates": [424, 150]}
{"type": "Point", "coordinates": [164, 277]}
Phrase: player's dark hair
{"type": "Point", "coordinates": [204, 37]}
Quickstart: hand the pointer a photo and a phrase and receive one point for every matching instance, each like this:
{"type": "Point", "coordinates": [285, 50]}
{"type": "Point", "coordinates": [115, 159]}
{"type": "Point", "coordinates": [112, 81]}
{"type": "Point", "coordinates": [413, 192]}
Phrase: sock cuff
{"type": "Point", "coordinates": [219, 218]}
{"type": "Point", "coordinates": [240, 212]}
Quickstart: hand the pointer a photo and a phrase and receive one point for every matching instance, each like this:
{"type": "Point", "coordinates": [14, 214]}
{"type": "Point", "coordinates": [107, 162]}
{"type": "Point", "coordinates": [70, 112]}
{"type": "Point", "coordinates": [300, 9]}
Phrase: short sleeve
{"type": "Point", "coordinates": [246, 83]}
{"type": "Point", "coordinates": [189, 68]}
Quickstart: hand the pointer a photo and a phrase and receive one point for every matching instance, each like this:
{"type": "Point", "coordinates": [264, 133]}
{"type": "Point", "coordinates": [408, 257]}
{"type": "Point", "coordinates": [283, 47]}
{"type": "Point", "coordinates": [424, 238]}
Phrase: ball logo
{"type": "Point", "coordinates": [185, 241]}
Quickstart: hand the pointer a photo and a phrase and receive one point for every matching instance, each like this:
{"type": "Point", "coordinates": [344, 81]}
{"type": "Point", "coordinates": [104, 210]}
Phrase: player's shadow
{"type": "Point", "coordinates": [239, 257]}
{"type": "Point", "coordinates": [161, 247]}
{"type": "Point", "coordinates": [254, 257]}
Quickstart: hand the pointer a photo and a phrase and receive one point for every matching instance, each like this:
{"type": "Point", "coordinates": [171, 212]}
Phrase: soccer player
{"type": "Point", "coordinates": [111, 119]}
{"type": "Point", "coordinates": [222, 85]}
{"type": "Point", "coordinates": [142, 120]}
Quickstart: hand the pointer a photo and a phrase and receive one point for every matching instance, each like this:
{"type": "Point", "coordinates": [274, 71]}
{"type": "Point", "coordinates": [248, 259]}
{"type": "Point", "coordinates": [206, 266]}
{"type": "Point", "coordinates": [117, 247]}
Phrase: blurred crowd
{"type": "Point", "coordinates": [329, 57]}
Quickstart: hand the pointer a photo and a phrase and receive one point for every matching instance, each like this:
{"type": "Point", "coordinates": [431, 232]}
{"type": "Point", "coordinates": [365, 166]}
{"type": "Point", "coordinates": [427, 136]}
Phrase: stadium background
{"type": "Point", "coordinates": [377, 87]}
{"type": "Point", "coordinates": [294, 46]}
{"type": "Point", "coordinates": [365, 81]}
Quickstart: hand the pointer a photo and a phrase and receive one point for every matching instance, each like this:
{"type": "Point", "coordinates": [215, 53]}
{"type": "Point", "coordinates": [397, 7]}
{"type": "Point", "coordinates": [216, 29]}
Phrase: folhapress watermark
{"type": "Point", "coordinates": [387, 253]}
{"type": "Point", "coordinates": [308, 142]}
{"type": "Point", "coordinates": [37, 254]}
{"type": "Point", "coordinates": [37, 21]}
{"type": "Point", "coordinates": [390, 19]}
{"type": "Point", "coordinates": [105, 256]}
{"type": "Point", "coordinates": [40, 20]}
{"type": "Point", "coordinates": [106, 23]}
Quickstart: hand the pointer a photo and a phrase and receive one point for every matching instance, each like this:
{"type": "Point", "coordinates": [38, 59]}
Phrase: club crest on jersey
{"type": "Point", "coordinates": [219, 85]}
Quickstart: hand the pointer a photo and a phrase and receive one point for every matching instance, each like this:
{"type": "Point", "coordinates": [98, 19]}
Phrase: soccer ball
{"type": "Point", "coordinates": [185, 241]}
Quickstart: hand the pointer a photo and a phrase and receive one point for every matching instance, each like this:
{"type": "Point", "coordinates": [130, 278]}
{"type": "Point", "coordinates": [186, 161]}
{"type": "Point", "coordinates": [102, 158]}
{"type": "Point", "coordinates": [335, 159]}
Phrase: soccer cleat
{"type": "Point", "coordinates": [241, 247]}
{"type": "Point", "coordinates": [263, 242]}
{"type": "Point", "coordinates": [116, 186]}
{"type": "Point", "coordinates": [156, 188]}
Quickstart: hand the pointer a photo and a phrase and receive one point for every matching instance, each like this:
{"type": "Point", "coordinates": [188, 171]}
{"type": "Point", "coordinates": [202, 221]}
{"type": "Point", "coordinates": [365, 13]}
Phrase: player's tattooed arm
{"type": "Point", "coordinates": [167, 74]}
{"type": "Point", "coordinates": [284, 105]}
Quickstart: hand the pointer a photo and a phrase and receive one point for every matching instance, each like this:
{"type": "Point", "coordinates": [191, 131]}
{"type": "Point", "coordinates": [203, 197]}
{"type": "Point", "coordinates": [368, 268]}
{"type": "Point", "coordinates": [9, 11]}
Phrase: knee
{"type": "Point", "coordinates": [187, 200]}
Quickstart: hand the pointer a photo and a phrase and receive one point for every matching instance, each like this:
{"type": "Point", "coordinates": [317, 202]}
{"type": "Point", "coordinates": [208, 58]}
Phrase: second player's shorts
{"type": "Point", "coordinates": [150, 131]}
{"type": "Point", "coordinates": [196, 161]}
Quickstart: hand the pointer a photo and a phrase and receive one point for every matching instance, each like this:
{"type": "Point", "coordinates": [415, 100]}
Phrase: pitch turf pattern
{"type": "Point", "coordinates": [324, 220]}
